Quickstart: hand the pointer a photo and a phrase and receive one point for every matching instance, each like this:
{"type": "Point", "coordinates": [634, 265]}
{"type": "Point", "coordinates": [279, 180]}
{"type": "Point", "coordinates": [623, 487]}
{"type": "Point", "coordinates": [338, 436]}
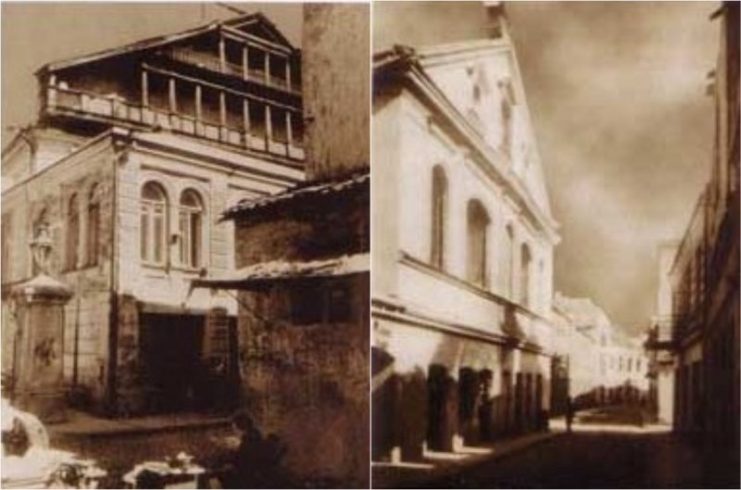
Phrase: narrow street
{"type": "Point", "coordinates": [606, 450]}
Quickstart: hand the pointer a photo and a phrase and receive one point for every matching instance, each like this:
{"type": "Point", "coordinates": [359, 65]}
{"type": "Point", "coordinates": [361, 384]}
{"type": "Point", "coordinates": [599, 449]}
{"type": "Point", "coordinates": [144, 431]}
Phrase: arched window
{"type": "Point", "coordinates": [507, 259]}
{"type": "Point", "coordinates": [439, 205]}
{"type": "Point", "coordinates": [93, 225]}
{"type": "Point", "coordinates": [153, 223]}
{"type": "Point", "coordinates": [191, 228]}
{"type": "Point", "coordinates": [525, 260]}
{"type": "Point", "coordinates": [73, 233]}
{"type": "Point", "coordinates": [478, 230]}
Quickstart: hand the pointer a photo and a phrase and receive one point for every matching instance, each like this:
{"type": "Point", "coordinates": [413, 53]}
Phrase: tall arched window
{"type": "Point", "coordinates": [93, 225]}
{"type": "Point", "coordinates": [153, 223]}
{"type": "Point", "coordinates": [525, 261]}
{"type": "Point", "coordinates": [439, 205]}
{"type": "Point", "coordinates": [478, 230]}
{"type": "Point", "coordinates": [191, 228]}
{"type": "Point", "coordinates": [73, 233]}
{"type": "Point", "coordinates": [507, 259]}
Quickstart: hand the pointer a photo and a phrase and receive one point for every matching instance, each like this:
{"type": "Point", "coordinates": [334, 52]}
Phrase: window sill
{"type": "Point", "coordinates": [187, 269]}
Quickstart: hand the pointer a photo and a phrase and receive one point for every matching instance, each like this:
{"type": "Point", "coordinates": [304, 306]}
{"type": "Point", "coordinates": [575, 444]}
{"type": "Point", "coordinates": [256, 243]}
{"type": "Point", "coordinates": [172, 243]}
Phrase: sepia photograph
{"type": "Point", "coordinates": [370, 244]}
{"type": "Point", "coordinates": [555, 266]}
{"type": "Point", "coordinates": [185, 245]}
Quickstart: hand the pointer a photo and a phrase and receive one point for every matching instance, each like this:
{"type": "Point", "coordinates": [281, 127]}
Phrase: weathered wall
{"type": "Point", "coordinates": [86, 314]}
{"type": "Point", "coordinates": [336, 88]}
{"type": "Point", "coordinates": [221, 179]}
{"type": "Point", "coordinates": [421, 147]}
{"type": "Point", "coordinates": [470, 407]}
{"type": "Point", "coordinates": [308, 384]}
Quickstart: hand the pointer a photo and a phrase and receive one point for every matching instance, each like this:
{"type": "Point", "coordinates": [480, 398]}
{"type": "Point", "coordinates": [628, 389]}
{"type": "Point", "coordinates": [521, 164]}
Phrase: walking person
{"type": "Point", "coordinates": [569, 413]}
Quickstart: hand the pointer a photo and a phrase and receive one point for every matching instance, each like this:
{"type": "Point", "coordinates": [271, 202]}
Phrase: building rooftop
{"type": "Point", "coordinates": [310, 190]}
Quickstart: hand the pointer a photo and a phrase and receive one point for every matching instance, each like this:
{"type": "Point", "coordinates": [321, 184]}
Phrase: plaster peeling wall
{"type": "Point", "coordinates": [336, 88]}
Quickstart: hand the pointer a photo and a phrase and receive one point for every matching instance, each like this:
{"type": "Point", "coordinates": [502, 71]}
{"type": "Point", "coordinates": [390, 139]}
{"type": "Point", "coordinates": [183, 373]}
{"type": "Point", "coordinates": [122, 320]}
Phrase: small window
{"type": "Point", "coordinates": [439, 205]}
{"type": "Point", "coordinates": [7, 233]}
{"type": "Point", "coordinates": [314, 303]}
{"type": "Point", "coordinates": [93, 226]}
{"type": "Point", "coordinates": [73, 233]}
{"type": "Point", "coordinates": [307, 304]}
{"type": "Point", "coordinates": [339, 305]}
{"type": "Point", "coordinates": [525, 276]}
{"type": "Point", "coordinates": [191, 229]}
{"type": "Point", "coordinates": [153, 223]}
{"type": "Point", "coordinates": [478, 231]}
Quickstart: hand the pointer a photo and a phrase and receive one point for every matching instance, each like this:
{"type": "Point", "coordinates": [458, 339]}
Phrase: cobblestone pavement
{"type": "Point", "coordinates": [591, 458]}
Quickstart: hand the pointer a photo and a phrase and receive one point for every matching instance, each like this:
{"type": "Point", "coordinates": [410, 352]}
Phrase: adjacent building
{"type": "Point", "coordinates": [303, 270]}
{"type": "Point", "coordinates": [659, 341]}
{"type": "Point", "coordinates": [605, 365]}
{"type": "Point", "coordinates": [705, 279]}
{"type": "Point", "coordinates": [462, 250]}
{"type": "Point", "coordinates": [136, 152]}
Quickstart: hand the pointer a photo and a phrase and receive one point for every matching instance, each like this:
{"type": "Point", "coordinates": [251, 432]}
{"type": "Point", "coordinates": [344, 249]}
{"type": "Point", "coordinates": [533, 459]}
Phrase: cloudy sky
{"type": "Point", "coordinates": [623, 125]}
{"type": "Point", "coordinates": [616, 91]}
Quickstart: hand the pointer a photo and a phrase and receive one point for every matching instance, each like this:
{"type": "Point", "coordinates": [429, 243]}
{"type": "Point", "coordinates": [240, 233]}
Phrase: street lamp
{"type": "Point", "coordinates": [41, 247]}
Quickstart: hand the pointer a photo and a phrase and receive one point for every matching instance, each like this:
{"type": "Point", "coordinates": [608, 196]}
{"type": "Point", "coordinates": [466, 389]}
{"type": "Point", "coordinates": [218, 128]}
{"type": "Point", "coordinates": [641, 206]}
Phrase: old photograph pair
{"type": "Point", "coordinates": [370, 245]}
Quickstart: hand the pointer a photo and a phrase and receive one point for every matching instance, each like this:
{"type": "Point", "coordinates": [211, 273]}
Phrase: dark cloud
{"type": "Point", "coordinates": [617, 93]}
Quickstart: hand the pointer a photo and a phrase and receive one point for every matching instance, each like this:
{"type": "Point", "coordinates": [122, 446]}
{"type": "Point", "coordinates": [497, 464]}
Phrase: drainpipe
{"type": "Point", "coordinates": [120, 155]}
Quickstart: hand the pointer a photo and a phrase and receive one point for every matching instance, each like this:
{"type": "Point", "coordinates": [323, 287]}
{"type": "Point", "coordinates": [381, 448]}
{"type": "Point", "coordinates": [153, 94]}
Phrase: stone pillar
{"type": "Point", "coordinates": [39, 370]}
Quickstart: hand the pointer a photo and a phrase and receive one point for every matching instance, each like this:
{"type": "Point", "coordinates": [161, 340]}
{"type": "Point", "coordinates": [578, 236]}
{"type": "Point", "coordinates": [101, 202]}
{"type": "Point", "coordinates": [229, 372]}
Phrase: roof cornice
{"type": "Point", "coordinates": [403, 63]}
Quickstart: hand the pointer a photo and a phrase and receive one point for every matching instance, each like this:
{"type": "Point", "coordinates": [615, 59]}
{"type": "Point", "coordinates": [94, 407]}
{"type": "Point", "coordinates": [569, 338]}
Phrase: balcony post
{"type": "Point", "coordinates": [289, 131]}
{"type": "Point", "coordinates": [267, 68]}
{"type": "Point", "coordinates": [222, 54]}
{"type": "Point", "coordinates": [245, 62]}
{"type": "Point", "coordinates": [173, 96]}
{"type": "Point", "coordinates": [246, 117]}
{"type": "Point", "coordinates": [268, 127]}
{"type": "Point", "coordinates": [199, 103]}
{"type": "Point", "coordinates": [52, 91]}
{"type": "Point", "coordinates": [288, 73]}
{"type": "Point", "coordinates": [222, 115]}
{"type": "Point", "coordinates": [145, 88]}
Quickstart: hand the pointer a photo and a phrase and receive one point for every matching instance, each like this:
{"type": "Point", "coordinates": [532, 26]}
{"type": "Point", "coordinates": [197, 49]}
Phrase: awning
{"type": "Point", "coordinates": [281, 270]}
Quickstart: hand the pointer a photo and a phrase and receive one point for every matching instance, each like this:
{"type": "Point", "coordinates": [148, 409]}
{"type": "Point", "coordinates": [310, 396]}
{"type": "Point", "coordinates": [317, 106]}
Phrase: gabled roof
{"type": "Point", "coordinates": [265, 25]}
{"type": "Point", "coordinates": [236, 22]}
{"type": "Point", "coordinates": [405, 63]}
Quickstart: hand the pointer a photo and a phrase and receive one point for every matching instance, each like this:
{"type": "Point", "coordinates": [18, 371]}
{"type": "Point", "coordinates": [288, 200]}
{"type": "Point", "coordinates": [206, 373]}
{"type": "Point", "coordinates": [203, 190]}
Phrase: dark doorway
{"type": "Point", "coordinates": [171, 360]}
{"type": "Point", "coordinates": [443, 408]}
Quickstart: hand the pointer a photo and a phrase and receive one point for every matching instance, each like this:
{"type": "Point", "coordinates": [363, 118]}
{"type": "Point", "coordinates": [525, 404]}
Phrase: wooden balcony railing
{"type": "Point", "coordinates": [210, 62]}
{"type": "Point", "coordinates": [83, 103]}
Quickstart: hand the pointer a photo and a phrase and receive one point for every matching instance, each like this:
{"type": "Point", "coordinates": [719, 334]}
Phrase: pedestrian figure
{"type": "Point", "coordinates": [569, 413]}
{"type": "Point", "coordinates": [257, 461]}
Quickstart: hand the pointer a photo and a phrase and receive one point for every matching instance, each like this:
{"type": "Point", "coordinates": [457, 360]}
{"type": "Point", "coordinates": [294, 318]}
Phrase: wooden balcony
{"type": "Point", "coordinates": [212, 63]}
{"type": "Point", "coordinates": [65, 101]}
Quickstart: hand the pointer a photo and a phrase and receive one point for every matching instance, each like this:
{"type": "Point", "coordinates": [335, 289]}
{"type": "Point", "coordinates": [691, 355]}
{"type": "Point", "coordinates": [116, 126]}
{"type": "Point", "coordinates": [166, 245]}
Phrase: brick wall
{"type": "Point", "coordinates": [308, 384]}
